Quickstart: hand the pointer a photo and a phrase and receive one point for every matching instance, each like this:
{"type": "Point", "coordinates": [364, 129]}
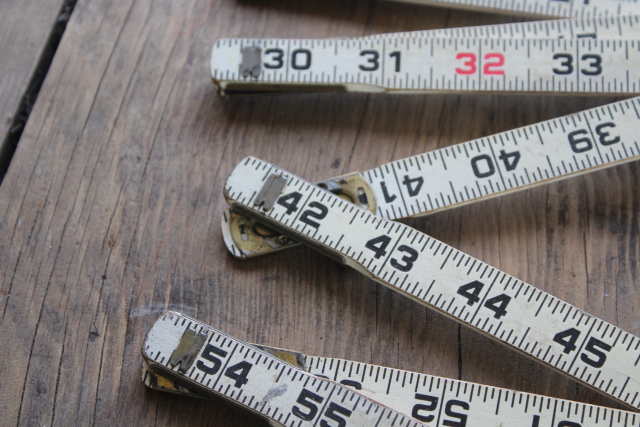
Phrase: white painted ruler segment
{"type": "Point", "coordinates": [604, 28]}
{"type": "Point", "coordinates": [281, 393]}
{"type": "Point", "coordinates": [442, 401]}
{"type": "Point", "coordinates": [430, 272]}
{"type": "Point", "coordinates": [508, 161]}
{"type": "Point", "coordinates": [542, 8]}
{"type": "Point", "coordinates": [487, 167]}
{"type": "Point", "coordinates": [418, 65]}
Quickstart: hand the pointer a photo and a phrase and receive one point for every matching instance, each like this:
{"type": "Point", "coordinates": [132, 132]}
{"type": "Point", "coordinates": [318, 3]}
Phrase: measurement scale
{"type": "Point", "coordinates": [512, 58]}
{"type": "Point", "coordinates": [604, 28]}
{"type": "Point", "coordinates": [216, 364]}
{"type": "Point", "coordinates": [432, 273]}
{"type": "Point", "coordinates": [466, 173]}
{"type": "Point", "coordinates": [541, 8]}
{"type": "Point", "coordinates": [272, 382]}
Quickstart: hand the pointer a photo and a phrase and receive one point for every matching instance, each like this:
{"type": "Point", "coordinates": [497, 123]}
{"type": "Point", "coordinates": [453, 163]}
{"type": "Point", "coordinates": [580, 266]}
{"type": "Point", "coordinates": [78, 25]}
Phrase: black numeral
{"type": "Point", "coordinates": [240, 377]}
{"type": "Point", "coordinates": [567, 63]}
{"type": "Point", "coordinates": [603, 134]}
{"type": "Point", "coordinates": [308, 214]}
{"type": "Point", "coordinates": [580, 141]}
{"type": "Point", "coordinates": [483, 160]}
{"type": "Point", "coordinates": [209, 353]}
{"type": "Point", "coordinates": [471, 291]}
{"type": "Point", "coordinates": [448, 410]}
{"type": "Point", "coordinates": [301, 59]}
{"type": "Point", "coordinates": [580, 144]}
{"type": "Point", "coordinates": [594, 346]}
{"type": "Point", "coordinates": [290, 201]}
{"type": "Point", "coordinates": [407, 260]}
{"type": "Point", "coordinates": [510, 159]}
{"type": "Point", "coordinates": [460, 420]}
{"type": "Point", "coordinates": [378, 245]}
{"type": "Point", "coordinates": [332, 413]}
{"type": "Point", "coordinates": [498, 305]}
{"type": "Point", "coordinates": [413, 190]}
{"type": "Point", "coordinates": [387, 198]}
{"type": "Point", "coordinates": [595, 65]}
{"type": "Point", "coordinates": [396, 56]}
{"type": "Point", "coordinates": [433, 404]}
{"type": "Point", "coordinates": [567, 339]}
{"type": "Point", "coordinates": [372, 58]}
{"type": "Point", "coordinates": [306, 399]}
{"type": "Point", "coordinates": [483, 166]}
{"type": "Point", "coordinates": [278, 57]}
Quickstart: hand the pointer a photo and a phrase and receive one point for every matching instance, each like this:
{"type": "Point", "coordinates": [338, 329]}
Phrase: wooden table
{"type": "Point", "coordinates": [110, 210]}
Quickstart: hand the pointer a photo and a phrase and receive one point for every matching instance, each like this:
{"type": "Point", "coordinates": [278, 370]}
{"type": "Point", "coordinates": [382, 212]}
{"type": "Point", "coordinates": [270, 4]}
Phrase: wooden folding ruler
{"type": "Point", "coordinates": [184, 356]}
{"type": "Point", "coordinates": [347, 218]}
{"type": "Point", "coordinates": [579, 56]}
{"type": "Point", "coordinates": [463, 173]}
{"type": "Point", "coordinates": [432, 273]}
{"type": "Point", "coordinates": [541, 8]}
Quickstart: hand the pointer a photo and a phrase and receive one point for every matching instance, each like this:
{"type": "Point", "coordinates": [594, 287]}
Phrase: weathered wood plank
{"type": "Point", "coordinates": [28, 33]}
{"type": "Point", "coordinates": [110, 212]}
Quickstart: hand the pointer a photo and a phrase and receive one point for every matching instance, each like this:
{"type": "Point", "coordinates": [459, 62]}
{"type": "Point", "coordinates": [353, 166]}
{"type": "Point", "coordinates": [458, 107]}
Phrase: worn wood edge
{"type": "Point", "coordinates": [34, 58]}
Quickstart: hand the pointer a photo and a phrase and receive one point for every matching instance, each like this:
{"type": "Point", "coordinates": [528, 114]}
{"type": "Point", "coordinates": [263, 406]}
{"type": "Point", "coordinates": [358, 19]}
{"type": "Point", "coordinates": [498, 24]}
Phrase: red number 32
{"type": "Point", "coordinates": [492, 64]}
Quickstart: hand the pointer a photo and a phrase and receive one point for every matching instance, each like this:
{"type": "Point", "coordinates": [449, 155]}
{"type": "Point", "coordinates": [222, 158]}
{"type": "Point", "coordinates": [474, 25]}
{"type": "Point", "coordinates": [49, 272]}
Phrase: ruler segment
{"type": "Point", "coordinates": [540, 8]}
{"type": "Point", "coordinates": [507, 162]}
{"type": "Point", "coordinates": [427, 64]}
{"type": "Point", "coordinates": [482, 297]}
{"type": "Point", "coordinates": [476, 170]}
{"type": "Point", "coordinates": [423, 396]}
{"type": "Point", "coordinates": [604, 28]}
{"type": "Point", "coordinates": [256, 381]}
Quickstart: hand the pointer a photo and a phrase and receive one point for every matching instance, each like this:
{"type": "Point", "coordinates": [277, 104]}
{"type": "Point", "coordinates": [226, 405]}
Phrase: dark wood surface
{"type": "Point", "coordinates": [27, 28]}
{"type": "Point", "coordinates": [110, 211]}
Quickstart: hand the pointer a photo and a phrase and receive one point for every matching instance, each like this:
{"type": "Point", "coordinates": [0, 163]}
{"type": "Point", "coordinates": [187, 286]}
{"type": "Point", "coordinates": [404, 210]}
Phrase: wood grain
{"type": "Point", "coordinates": [109, 214]}
{"type": "Point", "coordinates": [26, 33]}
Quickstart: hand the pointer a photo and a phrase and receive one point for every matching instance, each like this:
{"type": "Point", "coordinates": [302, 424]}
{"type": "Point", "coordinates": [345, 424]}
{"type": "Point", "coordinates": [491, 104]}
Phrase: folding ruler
{"type": "Point", "coordinates": [541, 8]}
{"type": "Point", "coordinates": [184, 356]}
{"type": "Point", "coordinates": [579, 56]}
{"type": "Point", "coordinates": [460, 174]}
{"type": "Point", "coordinates": [434, 274]}
{"type": "Point", "coordinates": [589, 55]}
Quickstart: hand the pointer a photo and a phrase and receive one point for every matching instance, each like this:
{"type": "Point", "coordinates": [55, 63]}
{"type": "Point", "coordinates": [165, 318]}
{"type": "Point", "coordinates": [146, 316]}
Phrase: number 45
{"type": "Point", "coordinates": [568, 340]}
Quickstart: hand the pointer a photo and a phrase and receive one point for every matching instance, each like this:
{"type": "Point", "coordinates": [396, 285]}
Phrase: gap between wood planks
{"type": "Point", "coordinates": [28, 99]}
